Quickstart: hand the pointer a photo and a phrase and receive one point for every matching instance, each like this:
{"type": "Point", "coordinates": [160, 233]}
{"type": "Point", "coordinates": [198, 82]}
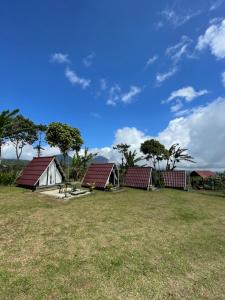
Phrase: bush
{"type": "Point", "coordinates": [8, 178]}
{"type": "Point", "coordinates": [157, 179]}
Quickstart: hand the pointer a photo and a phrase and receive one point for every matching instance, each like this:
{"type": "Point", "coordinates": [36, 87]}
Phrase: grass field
{"type": "Point", "coordinates": [130, 245]}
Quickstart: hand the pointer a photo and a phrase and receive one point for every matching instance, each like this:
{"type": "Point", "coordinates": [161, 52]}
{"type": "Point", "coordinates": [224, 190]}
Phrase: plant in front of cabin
{"type": "Point", "coordinates": [91, 186]}
{"type": "Point", "coordinates": [109, 187]}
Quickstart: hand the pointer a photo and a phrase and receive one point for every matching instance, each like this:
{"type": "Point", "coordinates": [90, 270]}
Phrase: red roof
{"type": "Point", "coordinates": [34, 170]}
{"type": "Point", "coordinates": [174, 179]}
{"type": "Point", "coordinates": [138, 177]}
{"type": "Point", "coordinates": [98, 174]}
{"type": "Point", "coordinates": [203, 174]}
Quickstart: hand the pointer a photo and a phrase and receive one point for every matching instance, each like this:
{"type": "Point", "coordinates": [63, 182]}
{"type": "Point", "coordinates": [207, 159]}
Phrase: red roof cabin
{"type": "Point", "coordinates": [174, 179]}
{"type": "Point", "coordinates": [202, 174]}
{"type": "Point", "coordinates": [138, 177]}
{"type": "Point", "coordinates": [41, 172]}
{"type": "Point", "coordinates": [101, 175]}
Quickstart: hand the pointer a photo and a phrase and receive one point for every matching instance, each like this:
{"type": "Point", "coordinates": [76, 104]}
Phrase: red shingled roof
{"type": "Point", "coordinates": [174, 179]}
{"type": "Point", "coordinates": [98, 174]}
{"type": "Point", "coordinates": [138, 177]}
{"type": "Point", "coordinates": [203, 174]}
{"type": "Point", "coordinates": [34, 170]}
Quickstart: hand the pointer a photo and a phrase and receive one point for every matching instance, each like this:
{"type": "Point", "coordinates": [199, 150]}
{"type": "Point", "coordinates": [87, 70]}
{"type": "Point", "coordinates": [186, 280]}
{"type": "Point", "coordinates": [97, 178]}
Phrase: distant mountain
{"type": "Point", "coordinates": [60, 158]}
{"type": "Point", "coordinates": [99, 160]}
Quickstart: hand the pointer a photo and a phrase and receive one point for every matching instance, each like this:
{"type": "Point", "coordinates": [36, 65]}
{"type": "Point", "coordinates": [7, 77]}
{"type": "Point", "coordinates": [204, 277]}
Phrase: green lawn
{"type": "Point", "coordinates": [130, 245]}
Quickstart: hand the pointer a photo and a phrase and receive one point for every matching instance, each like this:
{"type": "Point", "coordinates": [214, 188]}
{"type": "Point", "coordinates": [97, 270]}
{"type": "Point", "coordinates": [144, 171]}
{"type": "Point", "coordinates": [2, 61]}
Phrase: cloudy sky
{"type": "Point", "coordinates": [120, 71]}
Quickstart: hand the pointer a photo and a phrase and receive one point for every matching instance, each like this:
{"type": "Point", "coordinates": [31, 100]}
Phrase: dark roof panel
{"type": "Point", "coordinates": [35, 169]}
{"type": "Point", "coordinates": [174, 179]}
{"type": "Point", "coordinates": [138, 177]}
{"type": "Point", "coordinates": [203, 174]}
{"type": "Point", "coordinates": [98, 174]}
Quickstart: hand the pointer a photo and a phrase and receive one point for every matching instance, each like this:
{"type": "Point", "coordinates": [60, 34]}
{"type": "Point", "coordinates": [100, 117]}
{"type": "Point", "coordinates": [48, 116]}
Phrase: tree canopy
{"type": "Point", "coordinates": [64, 137]}
{"type": "Point", "coordinates": [154, 151]}
{"type": "Point", "coordinates": [22, 131]}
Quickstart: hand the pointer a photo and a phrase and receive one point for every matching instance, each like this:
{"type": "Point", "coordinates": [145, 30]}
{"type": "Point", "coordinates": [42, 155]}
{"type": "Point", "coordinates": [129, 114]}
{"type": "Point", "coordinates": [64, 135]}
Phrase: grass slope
{"type": "Point", "coordinates": [131, 245]}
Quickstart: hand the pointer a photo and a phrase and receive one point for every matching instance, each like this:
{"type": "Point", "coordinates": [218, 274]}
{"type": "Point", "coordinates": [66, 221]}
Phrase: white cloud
{"type": "Point", "coordinates": [28, 152]}
{"type": "Point", "coordinates": [129, 96]}
{"type": "Point", "coordinates": [178, 19]}
{"type": "Point", "coordinates": [214, 38]}
{"type": "Point", "coordinates": [60, 58]}
{"type": "Point", "coordinates": [193, 131]}
{"type": "Point", "coordinates": [75, 79]}
{"type": "Point", "coordinates": [95, 115]}
{"type": "Point", "coordinates": [216, 4]}
{"type": "Point", "coordinates": [160, 77]}
{"type": "Point", "coordinates": [180, 50]}
{"type": "Point", "coordinates": [115, 95]}
{"type": "Point", "coordinates": [151, 60]}
{"type": "Point", "coordinates": [176, 106]}
{"type": "Point", "coordinates": [187, 93]}
{"type": "Point", "coordinates": [88, 60]}
{"type": "Point", "coordinates": [223, 78]}
{"type": "Point", "coordinates": [103, 84]}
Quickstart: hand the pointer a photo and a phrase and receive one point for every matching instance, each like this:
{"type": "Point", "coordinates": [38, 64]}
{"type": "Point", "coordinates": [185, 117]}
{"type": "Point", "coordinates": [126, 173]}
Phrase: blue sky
{"type": "Point", "coordinates": [103, 66]}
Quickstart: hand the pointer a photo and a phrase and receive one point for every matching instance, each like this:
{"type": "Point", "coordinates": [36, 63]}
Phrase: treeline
{"type": "Point", "coordinates": [21, 131]}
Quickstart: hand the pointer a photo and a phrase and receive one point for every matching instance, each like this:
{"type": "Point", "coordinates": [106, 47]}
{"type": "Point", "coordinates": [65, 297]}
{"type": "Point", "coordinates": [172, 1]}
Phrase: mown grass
{"type": "Point", "coordinates": [130, 245]}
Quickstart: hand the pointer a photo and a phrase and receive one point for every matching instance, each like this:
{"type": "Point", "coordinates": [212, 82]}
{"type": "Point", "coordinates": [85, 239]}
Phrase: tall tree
{"type": "Point", "coordinates": [65, 137]}
{"type": "Point", "coordinates": [6, 117]}
{"type": "Point", "coordinates": [122, 149]}
{"type": "Point", "coordinates": [21, 132]}
{"type": "Point", "coordinates": [80, 163]}
{"type": "Point", "coordinates": [176, 154]}
{"type": "Point", "coordinates": [132, 159]}
{"type": "Point", "coordinates": [41, 129]}
{"type": "Point", "coordinates": [154, 151]}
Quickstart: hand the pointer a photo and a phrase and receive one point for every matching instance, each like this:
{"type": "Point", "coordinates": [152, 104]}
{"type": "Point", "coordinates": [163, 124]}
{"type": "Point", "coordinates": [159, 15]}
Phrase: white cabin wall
{"type": "Point", "coordinates": [51, 176]}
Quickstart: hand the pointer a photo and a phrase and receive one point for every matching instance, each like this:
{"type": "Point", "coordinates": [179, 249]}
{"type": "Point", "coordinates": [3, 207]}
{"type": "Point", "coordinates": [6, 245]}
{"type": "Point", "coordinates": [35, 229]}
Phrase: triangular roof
{"type": "Point", "coordinates": [202, 173]}
{"type": "Point", "coordinates": [138, 177]}
{"type": "Point", "coordinates": [35, 169]}
{"type": "Point", "coordinates": [98, 174]}
{"type": "Point", "coordinates": [174, 179]}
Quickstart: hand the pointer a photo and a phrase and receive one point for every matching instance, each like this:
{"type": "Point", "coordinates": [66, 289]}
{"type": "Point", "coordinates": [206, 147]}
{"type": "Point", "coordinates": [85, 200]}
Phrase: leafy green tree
{"type": "Point", "coordinates": [6, 117]}
{"type": "Point", "coordinates": [154, 151]}
{"type": "Point", "coordinates": [80, 163]}
{"type": "Point", "coordinates": [122, 149]}
{"type": "Point", "coordinates": [21, 132]}
{"type": "Point", "coordinates": [41, 129]}
{"type": "Point", "coordinates": [175, 154]}
{"type": "Point", "coordinates": [132, 159]}
{"type": "Point", "coordinates": [65, 137]}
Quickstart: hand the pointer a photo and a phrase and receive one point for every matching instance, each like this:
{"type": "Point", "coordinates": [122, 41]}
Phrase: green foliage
{"type": "Point", "coordinates": [80, 163]}
{"type": "Point", "coordinates": [176, 154]}
{"type": "Point", "coordinates": [157, 179]}
{"type": "Point", "coordinates": [91, 186]}
{"type": "Point", "coordinates": [108, 187]}
{"type": "Point", "coordinates": [122, 149]}
{"type": "Point", "coordinates": [8, 178]}
{"type": "Point", "coordinates": [21, 132]}
{"type": "Point", "coordinates": [6, 117]}
{"type": "Point", "coordinates": [64, 137]}
{"type": "Point", "coordinates": [132, 159]}
{"type": "Point", "coordinates": [154, 151]}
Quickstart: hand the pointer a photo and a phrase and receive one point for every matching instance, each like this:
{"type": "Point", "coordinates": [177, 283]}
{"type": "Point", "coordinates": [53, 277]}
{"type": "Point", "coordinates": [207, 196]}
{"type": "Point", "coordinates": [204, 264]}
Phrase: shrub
{"type": "Point", "coordinates": [157, 179]}
{"type": "Point", "coordinates": [108, 187]}
{"type": "Point", "coordinates": [8, 178]}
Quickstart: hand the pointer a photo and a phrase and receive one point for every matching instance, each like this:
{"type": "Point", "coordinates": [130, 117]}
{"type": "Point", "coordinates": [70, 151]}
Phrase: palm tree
{"type": "Point", "coordinates": [132, 159]}
{"type": "Point", "coordinates": [175, 155]}
{"type": "Point", "coordinates": [5, 119]}
{"type": "Point", "coordinates": [80, 163]}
